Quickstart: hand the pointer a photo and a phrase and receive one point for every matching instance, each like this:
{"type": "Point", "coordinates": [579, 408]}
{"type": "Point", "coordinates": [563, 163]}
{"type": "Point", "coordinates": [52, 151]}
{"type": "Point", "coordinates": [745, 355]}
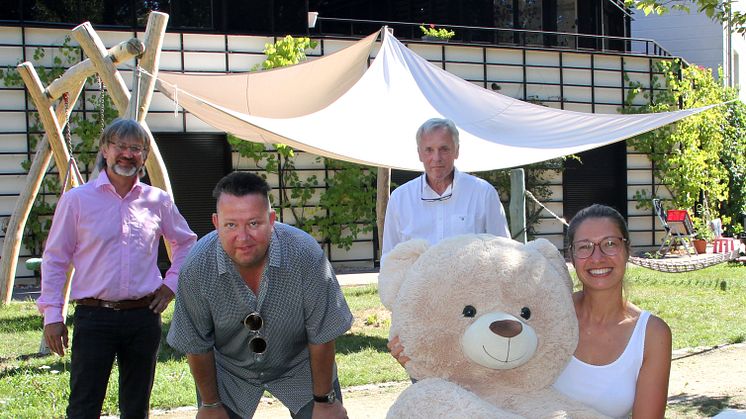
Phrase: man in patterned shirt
{"type": "Point", "coordinates": [259, 308]}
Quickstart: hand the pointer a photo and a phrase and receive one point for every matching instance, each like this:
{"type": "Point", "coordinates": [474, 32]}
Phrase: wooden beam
{"type": "Point", "coordinates": [25, 201]}
{"type": "Point", "coordinates": [121, 52]}
{"type": "Point", "coordinates": [383, 192]}
{"type": "Point", "coordinates": [154, 34]}
{"type": "Point", "coordinates": [96, 52]}
{"type": "Point", "coordinates": [518, 205]}
{"type": "Point", "coordinates": [47, 116]}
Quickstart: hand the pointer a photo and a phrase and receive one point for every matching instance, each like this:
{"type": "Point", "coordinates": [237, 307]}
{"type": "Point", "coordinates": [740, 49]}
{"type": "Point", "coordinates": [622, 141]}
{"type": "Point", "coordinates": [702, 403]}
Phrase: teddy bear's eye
{"type": "Point", "coordinates": [469, 311]}
{"type": "Point", "coordinates": [526, 313]}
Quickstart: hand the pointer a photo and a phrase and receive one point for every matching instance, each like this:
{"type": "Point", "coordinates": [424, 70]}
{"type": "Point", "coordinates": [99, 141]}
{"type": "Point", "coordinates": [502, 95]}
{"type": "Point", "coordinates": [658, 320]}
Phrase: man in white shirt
{"type": "Point", "coordinates": [442, 202]}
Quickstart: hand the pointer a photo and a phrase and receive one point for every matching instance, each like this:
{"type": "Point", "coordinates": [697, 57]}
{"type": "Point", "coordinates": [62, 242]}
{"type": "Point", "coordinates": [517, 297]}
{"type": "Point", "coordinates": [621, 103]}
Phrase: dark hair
{"type": "Point", "coordinates": [597, 211]}
{"type": "Point", "coordinates": [242, 184]}
{"type": "Point", "coordinates": [122, 128]}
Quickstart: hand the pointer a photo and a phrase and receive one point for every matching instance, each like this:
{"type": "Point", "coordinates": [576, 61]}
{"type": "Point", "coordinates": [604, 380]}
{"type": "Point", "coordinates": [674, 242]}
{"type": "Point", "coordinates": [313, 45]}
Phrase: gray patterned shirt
{"type": "Point", "coordinates": [299, 300]}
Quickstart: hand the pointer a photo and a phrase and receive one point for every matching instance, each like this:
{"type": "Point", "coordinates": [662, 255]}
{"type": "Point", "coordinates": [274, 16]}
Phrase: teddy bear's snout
{"type": "Point", "coordinates": [506, 328]}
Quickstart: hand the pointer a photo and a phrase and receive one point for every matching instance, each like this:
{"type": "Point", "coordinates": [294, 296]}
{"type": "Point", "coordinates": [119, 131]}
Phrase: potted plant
{"type": "Point", "coordinates": [703, 236]}
{"type": "Point", "coordinates": [431, 33]}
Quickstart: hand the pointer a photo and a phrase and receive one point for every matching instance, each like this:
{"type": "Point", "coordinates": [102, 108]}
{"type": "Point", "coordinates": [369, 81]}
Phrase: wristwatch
{"type": "Point", "coordinates": [329, 397]}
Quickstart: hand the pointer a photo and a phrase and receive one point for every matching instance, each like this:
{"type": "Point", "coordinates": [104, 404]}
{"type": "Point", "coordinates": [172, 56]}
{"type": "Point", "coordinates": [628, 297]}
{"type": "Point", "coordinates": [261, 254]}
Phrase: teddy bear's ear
{"type": "Point", "coordinates": [546, 248]}
{"type": "Point", "coordinates": [394, 266]}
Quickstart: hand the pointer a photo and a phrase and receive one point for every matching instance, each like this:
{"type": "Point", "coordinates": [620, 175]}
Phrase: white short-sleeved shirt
{"type": "Point", "coordinates": [469, 205]}
{"type": "Point", "coordinates": [610, 389]}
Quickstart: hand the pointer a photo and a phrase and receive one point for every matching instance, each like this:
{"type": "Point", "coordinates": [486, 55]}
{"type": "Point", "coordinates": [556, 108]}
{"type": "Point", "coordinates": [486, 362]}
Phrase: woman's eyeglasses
{"type": "Point", "coordinates": [610, 246]}
{"type": "Point", "coordinates": [257, 343]}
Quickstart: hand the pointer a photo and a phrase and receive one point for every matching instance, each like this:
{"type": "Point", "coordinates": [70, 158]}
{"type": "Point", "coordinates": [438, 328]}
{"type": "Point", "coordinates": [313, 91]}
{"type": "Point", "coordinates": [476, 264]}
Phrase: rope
{"type": "Point", "coordinates": [665, 264]}
{"type": "Point", "coordinates": [683, 264]}
{"type": "Point", "coordinates": [72, 165]}
{"type": "Point", "coordinates": [533, 198]}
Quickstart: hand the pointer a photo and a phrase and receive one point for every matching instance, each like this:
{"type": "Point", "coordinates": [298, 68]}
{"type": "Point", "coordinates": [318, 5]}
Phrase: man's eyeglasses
{"type": "Point", "coordinates": [122, 147]}
{"type": "Point", "coordinates": [254, 323]}
{"type": "Point", "coordinates": [439, 198]}
{"type": "Point", "coordinates": [609, 246]}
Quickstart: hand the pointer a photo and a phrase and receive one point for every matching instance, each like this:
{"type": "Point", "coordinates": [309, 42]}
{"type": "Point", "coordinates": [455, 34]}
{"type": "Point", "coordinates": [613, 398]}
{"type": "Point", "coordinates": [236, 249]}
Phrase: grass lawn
{"type": "Point", "coordinates": [705, 307]}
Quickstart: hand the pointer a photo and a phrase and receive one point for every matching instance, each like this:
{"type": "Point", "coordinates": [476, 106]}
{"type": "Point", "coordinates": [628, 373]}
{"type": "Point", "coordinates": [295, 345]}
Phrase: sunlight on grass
{"type": "Point", "coordinates": [703, 308]}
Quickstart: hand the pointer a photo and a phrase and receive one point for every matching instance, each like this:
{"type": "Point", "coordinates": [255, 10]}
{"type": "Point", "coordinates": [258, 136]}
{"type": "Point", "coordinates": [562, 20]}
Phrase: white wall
{"type": "Point", "coordinates": [696, 38]}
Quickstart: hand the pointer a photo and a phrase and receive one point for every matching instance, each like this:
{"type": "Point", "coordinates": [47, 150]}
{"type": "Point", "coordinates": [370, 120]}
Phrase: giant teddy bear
{"type": "Point", "coordinates": [489, 325]}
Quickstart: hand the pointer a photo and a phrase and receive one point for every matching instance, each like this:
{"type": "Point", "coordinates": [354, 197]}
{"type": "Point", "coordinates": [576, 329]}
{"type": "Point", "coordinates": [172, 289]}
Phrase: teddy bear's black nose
{"type": "Point", "coordinates": [506, 328]}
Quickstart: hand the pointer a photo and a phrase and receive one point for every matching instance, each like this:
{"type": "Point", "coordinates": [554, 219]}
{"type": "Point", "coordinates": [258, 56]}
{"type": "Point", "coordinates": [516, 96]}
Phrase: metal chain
{"type": "Point", "coordinates": [67, 133]}
{"type": "Point", "coordinates": [101, 102]}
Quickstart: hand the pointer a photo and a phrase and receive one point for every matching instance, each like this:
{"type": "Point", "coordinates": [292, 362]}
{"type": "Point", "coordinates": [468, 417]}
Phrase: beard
{"type": "Point", "coordinates": [124, 171]}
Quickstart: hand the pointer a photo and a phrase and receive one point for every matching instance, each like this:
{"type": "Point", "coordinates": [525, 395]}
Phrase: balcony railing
{"type": "Point", "coordinates": [525, 38]}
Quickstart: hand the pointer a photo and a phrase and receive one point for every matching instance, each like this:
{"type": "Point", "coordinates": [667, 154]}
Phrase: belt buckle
{"type": "Point", "coordinates": [110, 304]}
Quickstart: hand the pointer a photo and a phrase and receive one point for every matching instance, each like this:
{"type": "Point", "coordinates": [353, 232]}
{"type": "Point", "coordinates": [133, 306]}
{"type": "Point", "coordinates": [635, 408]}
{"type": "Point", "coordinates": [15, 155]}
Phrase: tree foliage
{"type": "Point", "coordinates": [701, 158]}
{"type": "Point", "coordinates": [337, 212]}
{"type": "Point", "coordinates": [717, 10]}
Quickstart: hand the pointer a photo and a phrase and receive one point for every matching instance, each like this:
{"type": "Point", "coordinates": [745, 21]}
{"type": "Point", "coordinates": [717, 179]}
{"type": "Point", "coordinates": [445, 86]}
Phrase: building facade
{"type": "Point", "coordinates": [540, 54]}
{"type": "Point", "coordinates": [699, 40]}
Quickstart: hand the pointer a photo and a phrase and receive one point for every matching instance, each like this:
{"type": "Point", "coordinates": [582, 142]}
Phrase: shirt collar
{"type": "Point", "coordinates": [429, 193]}
{"type": "Point", "coordinates": [103, 179]}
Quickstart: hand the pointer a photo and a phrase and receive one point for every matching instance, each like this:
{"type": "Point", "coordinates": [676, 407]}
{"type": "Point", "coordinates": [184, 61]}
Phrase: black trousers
{"type": "Point", "coordinates": [100, 335]}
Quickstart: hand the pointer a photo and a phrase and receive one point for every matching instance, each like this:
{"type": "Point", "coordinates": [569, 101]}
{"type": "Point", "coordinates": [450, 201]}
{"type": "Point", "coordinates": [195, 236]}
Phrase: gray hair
{"type": "Point", "coordinates": [435, 124]}
{"type": "Point", "coordinates": [123, 128]}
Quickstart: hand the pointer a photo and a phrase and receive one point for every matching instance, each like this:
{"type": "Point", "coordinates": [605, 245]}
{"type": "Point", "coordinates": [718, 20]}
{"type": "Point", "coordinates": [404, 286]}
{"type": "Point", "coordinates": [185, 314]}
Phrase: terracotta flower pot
{"type": "Point", "coordinates": [700, 245]}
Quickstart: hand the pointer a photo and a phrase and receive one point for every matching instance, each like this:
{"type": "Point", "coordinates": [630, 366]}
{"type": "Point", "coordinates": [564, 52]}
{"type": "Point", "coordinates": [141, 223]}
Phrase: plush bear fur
{"type": "Point", "coordinates": [489, 325]}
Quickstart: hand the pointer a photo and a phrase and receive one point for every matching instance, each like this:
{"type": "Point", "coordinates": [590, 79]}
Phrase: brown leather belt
{"type": "Point", "coordinates": [116, 305]}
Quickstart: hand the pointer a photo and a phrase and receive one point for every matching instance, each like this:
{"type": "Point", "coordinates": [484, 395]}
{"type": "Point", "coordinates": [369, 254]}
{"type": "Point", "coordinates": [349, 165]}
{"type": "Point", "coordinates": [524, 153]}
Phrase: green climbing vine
{"type": "Point", "coordinates": [338, 211]}
{"type": "Point", "coordinates": [702, 158]}
{"type": "Point", "coordinates": [84, 132]}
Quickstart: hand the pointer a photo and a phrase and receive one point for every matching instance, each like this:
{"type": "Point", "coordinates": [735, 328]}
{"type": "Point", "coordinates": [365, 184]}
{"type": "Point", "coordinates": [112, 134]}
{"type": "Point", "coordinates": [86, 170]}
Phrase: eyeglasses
{"type": "Point", "coordinates": [440, 198]}
{"type": "Point", "coordinates": [609, 246]}
{"type": "Point", "coordinates": [254, 323]}
{"type": "Point", "coordinates": [122, 147]}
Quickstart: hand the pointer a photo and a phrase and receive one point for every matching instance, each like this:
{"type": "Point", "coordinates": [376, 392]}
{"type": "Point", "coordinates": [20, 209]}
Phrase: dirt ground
{"type": "Point", "coordinates": [703, 383]}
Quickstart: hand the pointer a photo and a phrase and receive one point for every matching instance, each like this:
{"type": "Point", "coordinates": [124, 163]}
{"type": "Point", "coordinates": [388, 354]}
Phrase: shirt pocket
{"type": "Point", "coordinates": [145, 235]}
{"type": "Point", "coordinates": [463, 224]}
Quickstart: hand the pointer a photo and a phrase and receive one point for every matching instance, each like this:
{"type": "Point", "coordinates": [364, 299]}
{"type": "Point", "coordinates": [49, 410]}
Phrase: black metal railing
{"type": "Point", "coordinates": [509, 37]}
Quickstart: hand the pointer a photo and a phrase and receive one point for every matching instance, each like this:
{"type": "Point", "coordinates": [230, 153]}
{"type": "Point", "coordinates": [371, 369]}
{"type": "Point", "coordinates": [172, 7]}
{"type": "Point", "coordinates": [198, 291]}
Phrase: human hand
{"type": "Point", "coordinates": [161, 298]}
{"type": "Point", "coordinates": [397, 351]}
{"type": "Point", "coordinates": [217, 412]}
{"type": "Point", "coordinates": [55, 335]}
{"type": "Point", "coordinates": [329, 411]}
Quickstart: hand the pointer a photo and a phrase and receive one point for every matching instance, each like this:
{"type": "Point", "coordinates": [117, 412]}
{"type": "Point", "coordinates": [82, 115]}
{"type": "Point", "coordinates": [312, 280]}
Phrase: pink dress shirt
{"type": "Point", "coordinates": [113, 244]}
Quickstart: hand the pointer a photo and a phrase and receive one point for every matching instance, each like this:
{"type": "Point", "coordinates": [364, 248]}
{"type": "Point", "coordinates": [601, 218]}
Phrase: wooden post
{"type": "Point", "coordinates": [17, 223]}
{"type": "Point", "coordinates": [518, 205]}
{"type": "Point", "coordinates": [96, 52]}
{"type": "Point", "coordinates": [383, 188]}
{"type": "Point", "coordinates": [47, 116]}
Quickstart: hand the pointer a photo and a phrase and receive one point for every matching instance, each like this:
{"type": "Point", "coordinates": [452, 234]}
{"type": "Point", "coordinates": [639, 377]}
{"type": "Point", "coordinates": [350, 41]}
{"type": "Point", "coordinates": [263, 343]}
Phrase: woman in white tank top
{"type": "Point", "coordinates": [623, 359]}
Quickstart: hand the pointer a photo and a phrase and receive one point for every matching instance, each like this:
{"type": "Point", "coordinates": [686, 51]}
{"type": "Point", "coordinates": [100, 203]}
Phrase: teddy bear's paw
{"type": "Point", "coordinates": [434, 398]}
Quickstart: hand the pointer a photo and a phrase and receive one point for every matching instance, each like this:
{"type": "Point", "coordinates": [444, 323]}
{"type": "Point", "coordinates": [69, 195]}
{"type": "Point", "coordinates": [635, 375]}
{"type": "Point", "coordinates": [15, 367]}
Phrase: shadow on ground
{"type": "Point", "coordinates": [700, 405]}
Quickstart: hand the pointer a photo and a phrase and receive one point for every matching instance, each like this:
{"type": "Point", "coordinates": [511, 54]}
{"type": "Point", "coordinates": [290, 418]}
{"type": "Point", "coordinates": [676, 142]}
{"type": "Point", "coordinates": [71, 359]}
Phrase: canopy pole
{"type": "Point", "coordinates": [518, 205]}
{"type": "Point", "coordinates": [383, 191]}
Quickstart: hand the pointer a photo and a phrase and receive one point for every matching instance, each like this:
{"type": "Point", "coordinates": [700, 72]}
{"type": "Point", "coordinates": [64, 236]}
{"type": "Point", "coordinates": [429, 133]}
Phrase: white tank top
{"type": "Point", "coordinates": [610, 388]}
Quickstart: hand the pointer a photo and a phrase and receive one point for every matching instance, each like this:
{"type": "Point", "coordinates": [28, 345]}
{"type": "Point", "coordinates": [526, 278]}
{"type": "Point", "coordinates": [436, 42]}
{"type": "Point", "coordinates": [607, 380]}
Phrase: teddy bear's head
{"type": "Point", "coordinates": [486, 312]}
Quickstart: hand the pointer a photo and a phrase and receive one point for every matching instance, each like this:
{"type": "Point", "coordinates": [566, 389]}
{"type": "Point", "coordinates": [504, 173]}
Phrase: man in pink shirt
{"type": "Point", "coordinates": [109, 230]}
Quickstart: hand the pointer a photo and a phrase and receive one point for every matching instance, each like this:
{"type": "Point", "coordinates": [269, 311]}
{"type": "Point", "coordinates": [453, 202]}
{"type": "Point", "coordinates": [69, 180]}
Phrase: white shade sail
{"type": "Point", "coordinates": [336, 106]}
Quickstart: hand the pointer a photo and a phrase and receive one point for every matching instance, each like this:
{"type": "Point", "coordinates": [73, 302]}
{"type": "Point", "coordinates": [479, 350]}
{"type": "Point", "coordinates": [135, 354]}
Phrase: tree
{"type": "Point", "coordinates": [717, 10]}
{"type": "Point", "coordinates": [701, 158]}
